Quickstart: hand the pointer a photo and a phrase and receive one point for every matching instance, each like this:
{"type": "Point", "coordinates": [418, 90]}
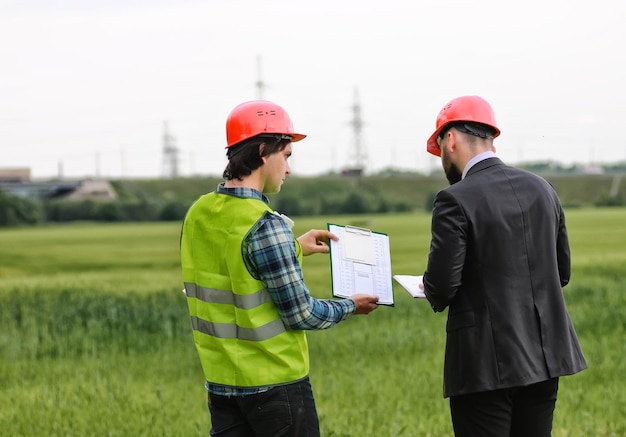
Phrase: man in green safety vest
{"type": "Point", "coordinates": [247, 299]}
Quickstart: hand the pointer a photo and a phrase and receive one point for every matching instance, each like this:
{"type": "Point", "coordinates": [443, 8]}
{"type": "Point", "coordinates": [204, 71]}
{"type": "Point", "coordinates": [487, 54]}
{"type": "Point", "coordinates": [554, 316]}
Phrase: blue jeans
{"type": "Point", "coordinates": [284, 411]}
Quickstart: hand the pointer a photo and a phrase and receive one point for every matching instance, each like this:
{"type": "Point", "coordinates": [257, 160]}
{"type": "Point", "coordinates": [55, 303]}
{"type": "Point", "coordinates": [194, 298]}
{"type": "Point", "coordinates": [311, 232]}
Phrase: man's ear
{"type": "Point", "coordinates": [451, 143]}
{"type": "Point", "coordinates": [457, 142]}
{"type": "Point", "coordinates": [261, 150]}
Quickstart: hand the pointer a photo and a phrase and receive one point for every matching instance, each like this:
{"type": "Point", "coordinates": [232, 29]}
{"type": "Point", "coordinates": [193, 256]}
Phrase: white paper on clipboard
{"type": "Point", "coordinates": [358, 245]}
{"type": "Point", "coordinates": [361, 263]}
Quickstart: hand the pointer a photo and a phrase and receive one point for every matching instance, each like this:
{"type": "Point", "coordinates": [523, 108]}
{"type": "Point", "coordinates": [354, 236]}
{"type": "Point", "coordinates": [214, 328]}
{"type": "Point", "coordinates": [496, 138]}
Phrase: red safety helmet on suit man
{"type": "Point", "coordinates": [467, 108]}
{"type": "Point", "coordinates": [257, 117]}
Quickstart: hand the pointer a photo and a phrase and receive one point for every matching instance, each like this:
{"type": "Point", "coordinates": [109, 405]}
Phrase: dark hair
{"type": "Point", "coordinates": [245, 157]}
{"type": "Point", "coordinates": [473, 128]}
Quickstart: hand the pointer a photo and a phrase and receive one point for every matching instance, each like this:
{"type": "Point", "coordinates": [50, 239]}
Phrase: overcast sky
{"type": "Point", "coordinates": [87, 85]}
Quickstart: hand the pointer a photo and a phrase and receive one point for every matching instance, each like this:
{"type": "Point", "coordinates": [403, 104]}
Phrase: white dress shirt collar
{"type": "Point", "coordinates": [476, 159]}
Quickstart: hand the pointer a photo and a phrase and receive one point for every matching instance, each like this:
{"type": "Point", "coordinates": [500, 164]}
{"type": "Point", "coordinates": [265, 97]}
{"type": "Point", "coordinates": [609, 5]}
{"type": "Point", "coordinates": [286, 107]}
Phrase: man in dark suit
{"type": "Point", "coordinates": [499, 257]}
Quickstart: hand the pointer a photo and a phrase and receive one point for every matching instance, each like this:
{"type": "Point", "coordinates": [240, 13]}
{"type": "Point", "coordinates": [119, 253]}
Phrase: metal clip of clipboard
{"type": "Point", "coordinates": [358, 245]}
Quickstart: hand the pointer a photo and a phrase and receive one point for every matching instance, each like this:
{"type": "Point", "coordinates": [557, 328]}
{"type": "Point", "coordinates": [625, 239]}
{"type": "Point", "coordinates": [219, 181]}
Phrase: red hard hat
{"type": "Point", "coordinates": [258, 117]}
{"type": "Point", "coordinates": [466, 108]}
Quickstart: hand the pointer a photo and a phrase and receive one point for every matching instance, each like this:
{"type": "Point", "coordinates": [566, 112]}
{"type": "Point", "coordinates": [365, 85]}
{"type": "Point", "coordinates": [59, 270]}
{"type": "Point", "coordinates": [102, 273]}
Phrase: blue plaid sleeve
{"type": "Point", "coordinates": [270, 255]}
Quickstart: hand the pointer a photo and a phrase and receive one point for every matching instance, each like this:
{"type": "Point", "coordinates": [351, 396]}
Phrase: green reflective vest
{"type": "Point", "coordinates": [239, 335]}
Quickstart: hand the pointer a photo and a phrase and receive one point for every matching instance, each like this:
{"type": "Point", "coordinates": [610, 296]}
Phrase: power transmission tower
{"type": "Point", "coordinates": [358, 154]}
{"type": "Point", "coordinates": [170, 154]}
{"type": "Point", "coordinates": [260, 85]}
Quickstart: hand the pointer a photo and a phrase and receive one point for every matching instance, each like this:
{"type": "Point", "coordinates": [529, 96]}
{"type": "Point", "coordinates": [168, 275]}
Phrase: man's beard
{"type": "Point", "coordinates": [453, 174]}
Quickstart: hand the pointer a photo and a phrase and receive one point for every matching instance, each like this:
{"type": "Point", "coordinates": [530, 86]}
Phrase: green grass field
{"type": "Point", "coordinates": [95, 340]}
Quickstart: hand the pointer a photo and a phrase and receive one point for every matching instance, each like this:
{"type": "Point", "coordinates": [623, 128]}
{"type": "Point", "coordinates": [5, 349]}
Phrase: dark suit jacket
{"type": "Point", "coordinates": [498, 259]}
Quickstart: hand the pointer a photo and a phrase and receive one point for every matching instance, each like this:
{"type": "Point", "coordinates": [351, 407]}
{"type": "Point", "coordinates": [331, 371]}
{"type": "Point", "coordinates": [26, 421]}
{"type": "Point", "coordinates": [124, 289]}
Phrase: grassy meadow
{"type": "Point", "coordinates": [95, 338]}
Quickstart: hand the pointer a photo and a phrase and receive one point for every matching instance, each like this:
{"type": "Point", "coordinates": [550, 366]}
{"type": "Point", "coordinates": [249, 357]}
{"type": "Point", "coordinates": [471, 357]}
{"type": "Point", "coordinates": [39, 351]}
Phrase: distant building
{"type": "Point", "coordinates": [18, 183]}
{"type": "Point", "coordinates": [352, 171]}
{"type": "Point", "coordinates": [14, 175]}
{"type": "Point", "coordinates": [96, 189]}
{"type": "Point", "coordinates": [593, 169]}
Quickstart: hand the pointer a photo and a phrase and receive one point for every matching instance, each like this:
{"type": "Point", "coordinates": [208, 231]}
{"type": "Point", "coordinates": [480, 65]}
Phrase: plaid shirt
{"type": "Point", "coordinates": [270, 256]}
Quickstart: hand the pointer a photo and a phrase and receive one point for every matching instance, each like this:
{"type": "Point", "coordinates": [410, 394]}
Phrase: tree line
{"type": "Point", "coordinates": [16, 211]}
{"type": "Point", "coordinates": [169, 199]}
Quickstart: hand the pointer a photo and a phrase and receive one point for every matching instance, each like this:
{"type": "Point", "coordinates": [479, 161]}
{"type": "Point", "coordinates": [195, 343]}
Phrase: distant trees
{"type": "Point", "coordinates": [15, 211]}
{"type": "Point", "coordinates": [350, 202]}
{"type": "Point", "coordinates": [168, 200]}
{"type": "Point", "coordinates": [18, 211]}
{"type": "Point", "coordinates": [141, 210]}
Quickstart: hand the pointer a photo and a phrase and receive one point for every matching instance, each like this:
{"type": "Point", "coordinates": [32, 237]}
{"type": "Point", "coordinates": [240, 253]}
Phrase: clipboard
{"type": "Point", "coordinates": [360, 262]}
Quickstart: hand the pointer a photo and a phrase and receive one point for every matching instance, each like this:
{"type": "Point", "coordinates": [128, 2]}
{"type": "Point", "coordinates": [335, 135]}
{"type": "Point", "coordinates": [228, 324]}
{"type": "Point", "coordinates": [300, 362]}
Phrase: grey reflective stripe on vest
{"type": "Point", "coordinates": [212, 295]}
{"type": "Point", "coordinates": [230, 330]}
